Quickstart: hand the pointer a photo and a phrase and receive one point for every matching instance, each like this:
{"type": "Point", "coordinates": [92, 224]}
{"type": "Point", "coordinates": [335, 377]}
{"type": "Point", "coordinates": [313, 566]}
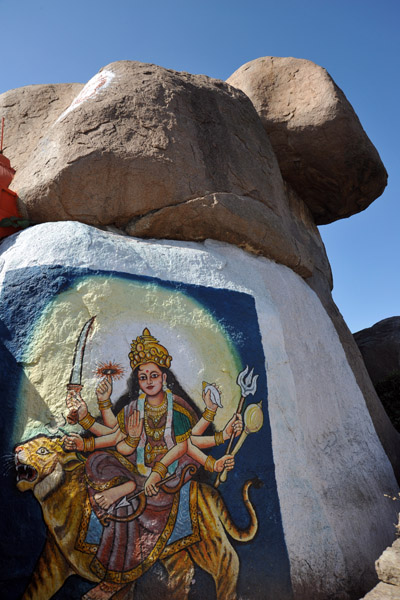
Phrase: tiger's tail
{"type": "Point", "coordinates": [240, 535]}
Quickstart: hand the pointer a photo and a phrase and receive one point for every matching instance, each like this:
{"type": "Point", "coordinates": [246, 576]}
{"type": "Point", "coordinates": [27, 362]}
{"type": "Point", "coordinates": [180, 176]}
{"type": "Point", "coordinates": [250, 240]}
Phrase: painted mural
{"type": "Point", "coordinates": [137, 446]}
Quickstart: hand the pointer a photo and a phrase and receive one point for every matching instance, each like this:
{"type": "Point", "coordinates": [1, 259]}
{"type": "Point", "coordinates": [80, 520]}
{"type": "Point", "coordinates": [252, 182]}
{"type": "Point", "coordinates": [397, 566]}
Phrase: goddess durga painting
{"type": "Point", "coordinates": [158, 485]}
{"type": "Point", "coordinates": [146, 441]}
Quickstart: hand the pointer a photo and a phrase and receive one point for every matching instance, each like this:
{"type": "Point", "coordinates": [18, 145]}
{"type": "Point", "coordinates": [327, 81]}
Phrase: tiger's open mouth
{"type": "Point", "coordinates": [25, 472]}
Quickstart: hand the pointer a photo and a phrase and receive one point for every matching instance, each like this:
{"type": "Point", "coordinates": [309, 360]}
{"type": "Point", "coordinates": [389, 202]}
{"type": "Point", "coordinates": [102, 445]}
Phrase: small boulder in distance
{"type": "Point", "coordinates": [380, 348]}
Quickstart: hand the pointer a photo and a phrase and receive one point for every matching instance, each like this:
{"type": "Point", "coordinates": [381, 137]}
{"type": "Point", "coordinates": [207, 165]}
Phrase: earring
{"type": "Point", "coordinates": [164, 387]}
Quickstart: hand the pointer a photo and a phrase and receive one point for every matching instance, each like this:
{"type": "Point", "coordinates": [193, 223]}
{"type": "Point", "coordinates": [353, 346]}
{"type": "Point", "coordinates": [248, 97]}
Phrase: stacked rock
{"type": "Point", "coordinates": [189, 206]}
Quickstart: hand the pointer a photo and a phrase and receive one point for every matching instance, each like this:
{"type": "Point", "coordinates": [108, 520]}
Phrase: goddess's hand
{"type": "Point", "coordinates": [207, 399]}
{"type": "Point", "coordinates": [104, 390]}
{"type": "Point", "coordinates": [77, 408]}
{"type": "Point", "coordinates": [226, 462]}
{"type": "Point", "coordinates": [234, 425]}
{"type": "Point", "coordinates": [135, 424]}
{"type": "Point", "coordinates": [72, 442]}
{"type": "Point", "coordinates": [150, 487]}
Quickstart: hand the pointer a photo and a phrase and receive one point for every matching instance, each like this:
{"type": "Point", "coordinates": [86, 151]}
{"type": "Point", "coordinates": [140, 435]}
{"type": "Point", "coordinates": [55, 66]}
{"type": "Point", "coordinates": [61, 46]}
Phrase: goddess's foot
{"type": "Point", "coordinates": [109, 497]}
{"type": "Point", "coordinates": [106, 499]}
{"type": "Point", "coordinates": [103, 591]}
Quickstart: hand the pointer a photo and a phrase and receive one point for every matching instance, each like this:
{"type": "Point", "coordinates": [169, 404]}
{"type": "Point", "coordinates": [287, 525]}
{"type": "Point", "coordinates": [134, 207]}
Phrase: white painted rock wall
{"type": "Point", "coordinates": [330, 469]}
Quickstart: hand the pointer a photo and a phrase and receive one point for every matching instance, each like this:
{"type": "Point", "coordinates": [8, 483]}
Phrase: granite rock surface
{"type": "Point", "coordinates": [322, 149]}
{"type": "Point", "coordinates": [29, 112]}
{"type": "Point", "coordinates": [388, 565]}
{"type": "Point", "coordinates": [145, 149]}
{"type": "Point", "coordinates": [139, 137]}
{"type": "Point", "coordinates": [388, 571]}
{"type": "Point", "coordinates": [383, 591]}
{"type": "Point", "coordinates": [380, 347]}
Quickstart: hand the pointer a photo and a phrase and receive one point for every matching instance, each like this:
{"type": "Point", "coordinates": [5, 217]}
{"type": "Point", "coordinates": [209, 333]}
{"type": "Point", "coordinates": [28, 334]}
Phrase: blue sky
{"type": "Point", "coordinates": [357, 41]}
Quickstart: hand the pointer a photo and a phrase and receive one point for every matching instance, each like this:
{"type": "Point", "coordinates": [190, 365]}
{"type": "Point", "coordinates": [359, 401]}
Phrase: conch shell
{"type": "Point", "coordinates": [215, 393]}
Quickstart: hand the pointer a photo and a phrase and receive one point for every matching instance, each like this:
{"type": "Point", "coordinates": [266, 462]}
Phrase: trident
{"type": "Point", "coordinates": [248, 385]}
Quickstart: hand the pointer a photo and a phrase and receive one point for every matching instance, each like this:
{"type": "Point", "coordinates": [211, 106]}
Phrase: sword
{"type": "Point", "coordinates": [75, 380]}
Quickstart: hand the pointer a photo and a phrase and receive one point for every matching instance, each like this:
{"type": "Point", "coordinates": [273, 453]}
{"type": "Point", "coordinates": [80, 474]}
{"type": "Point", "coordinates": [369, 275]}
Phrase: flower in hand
{"type": "Point", "coordinates": [104, 390]}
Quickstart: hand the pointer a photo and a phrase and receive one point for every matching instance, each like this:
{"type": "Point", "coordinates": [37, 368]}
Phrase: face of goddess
{"type": "Point", "coordinates": [151, 379]}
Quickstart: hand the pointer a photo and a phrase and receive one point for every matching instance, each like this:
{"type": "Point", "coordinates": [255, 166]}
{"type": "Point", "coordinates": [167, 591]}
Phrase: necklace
{"type": "Point", "coordinates": [154, 432]}
{"type": "Point", "coordinates": [155, 412]}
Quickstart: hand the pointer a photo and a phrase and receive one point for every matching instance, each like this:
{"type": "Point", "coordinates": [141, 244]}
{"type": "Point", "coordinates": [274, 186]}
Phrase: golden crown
{"type": "Point", "coordinates": [147, 349]}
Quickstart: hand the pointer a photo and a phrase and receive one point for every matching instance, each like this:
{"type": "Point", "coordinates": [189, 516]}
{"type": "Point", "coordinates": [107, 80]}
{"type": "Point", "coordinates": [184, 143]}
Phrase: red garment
{"type": "Point", "coordinates": [128, 549]}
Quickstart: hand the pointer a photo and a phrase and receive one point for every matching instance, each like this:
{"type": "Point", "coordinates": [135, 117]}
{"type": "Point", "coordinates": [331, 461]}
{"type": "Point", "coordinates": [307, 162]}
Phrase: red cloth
{"type": "Point", "coordinates": [128, 549]}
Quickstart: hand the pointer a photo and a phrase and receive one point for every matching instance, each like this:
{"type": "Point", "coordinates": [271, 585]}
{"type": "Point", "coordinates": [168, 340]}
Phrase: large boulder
{"type": "Point", "coordinates": [322, 149]}
{"type": "Point", "coordinates": [160, 154]}
{"type": "Point", "coordinates": [139, 137]}
{"type": "Point", "coordinates": [216, 308]}
{"type": "Point", "coordinates": [380, 347]}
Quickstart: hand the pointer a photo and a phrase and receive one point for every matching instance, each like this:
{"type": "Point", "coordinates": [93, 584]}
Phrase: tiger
{"type": "Point", "coordinates": [56, 478]}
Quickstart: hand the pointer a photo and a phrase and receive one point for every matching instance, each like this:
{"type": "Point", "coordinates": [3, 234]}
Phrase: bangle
{"type": "Point", "coordinates": [104, 404]}
{"type": "Point", "coordinates": [131, 441]}
{"type": "Point", "coordinates": [160, 469]}
{"type": "Point", "coordinates": [209, 464]}
{"type": "Point", "coordinates": [87, 421]}
{"type": "Point", "coordinates": [219, 438]}
{"type": "Point", "coordinates": [209, 415]}
{"type": "Point", "coordinates": [88, 444]}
